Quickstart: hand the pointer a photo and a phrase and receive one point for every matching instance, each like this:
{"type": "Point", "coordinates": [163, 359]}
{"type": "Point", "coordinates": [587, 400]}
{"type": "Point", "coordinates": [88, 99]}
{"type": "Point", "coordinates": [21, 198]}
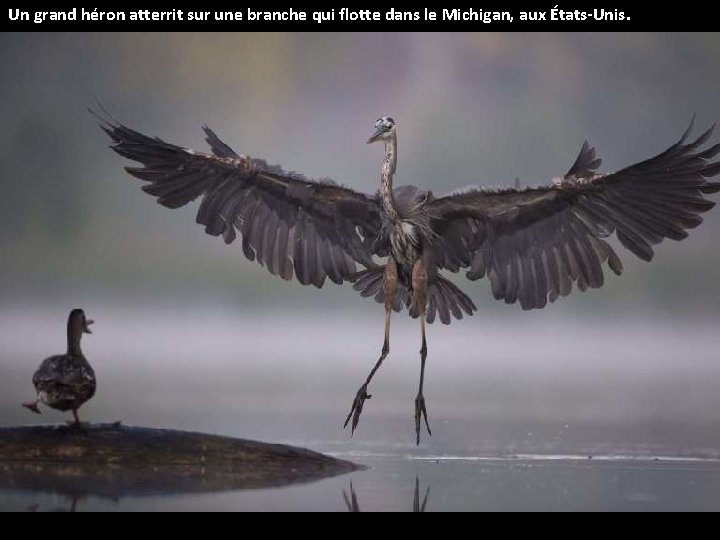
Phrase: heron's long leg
{"type": "Point", "coordinates": [390, 281]}
{"type": "Point", "coordinates": [420, 286]}
{"type": "Point", "coordinates": [420, 408]}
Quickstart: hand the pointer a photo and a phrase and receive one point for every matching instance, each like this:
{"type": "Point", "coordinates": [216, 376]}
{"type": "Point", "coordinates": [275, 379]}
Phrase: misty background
{"type": "Point", "coordinates": [191, 335]}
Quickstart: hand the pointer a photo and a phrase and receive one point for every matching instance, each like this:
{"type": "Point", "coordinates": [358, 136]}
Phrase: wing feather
{"type": "Point", "coordinates": [534, 244]}
{"type": "Point", "coordinates": [288, 223]}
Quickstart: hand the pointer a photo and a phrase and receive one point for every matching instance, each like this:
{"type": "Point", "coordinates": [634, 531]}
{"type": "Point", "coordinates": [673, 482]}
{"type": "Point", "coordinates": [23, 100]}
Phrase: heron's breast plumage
{"type": "Point", "coordinates": [405, 244]}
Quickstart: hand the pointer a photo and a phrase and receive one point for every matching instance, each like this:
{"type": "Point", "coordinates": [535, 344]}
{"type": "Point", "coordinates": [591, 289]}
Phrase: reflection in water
{"type": "Point", "coordinates": [419, 508]}
{"type": "Point", "coordinates": [73, 501]}
{"type": "Point", "coordinates": [115, 482]}
{"type": "Point", "coordinates": [351, 502]}
{"type": "Point", "coordinates": [465, 485]}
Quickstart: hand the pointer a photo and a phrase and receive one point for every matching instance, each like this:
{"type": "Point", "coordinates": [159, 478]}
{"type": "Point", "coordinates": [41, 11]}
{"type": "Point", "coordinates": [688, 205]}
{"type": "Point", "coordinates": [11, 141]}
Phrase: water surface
{"type": "Point", "coordinates": [516, 414]}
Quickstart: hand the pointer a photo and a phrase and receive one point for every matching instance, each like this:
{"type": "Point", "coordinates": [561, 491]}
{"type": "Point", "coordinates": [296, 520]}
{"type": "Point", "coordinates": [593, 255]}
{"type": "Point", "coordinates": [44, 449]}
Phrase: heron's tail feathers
{"type": "Point", "coordinates": [369, 283]}
{"type": "Point", "coordinates": [445, 300]}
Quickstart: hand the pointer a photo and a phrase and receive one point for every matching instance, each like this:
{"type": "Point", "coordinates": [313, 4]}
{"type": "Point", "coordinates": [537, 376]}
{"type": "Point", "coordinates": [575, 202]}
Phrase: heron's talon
{"type": "Point", "coordinates": [357, 408]}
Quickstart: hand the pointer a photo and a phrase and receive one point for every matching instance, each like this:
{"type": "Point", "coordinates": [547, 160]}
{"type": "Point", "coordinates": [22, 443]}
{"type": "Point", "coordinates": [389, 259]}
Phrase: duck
{"type": "Point", "coordinates": [66, 382]}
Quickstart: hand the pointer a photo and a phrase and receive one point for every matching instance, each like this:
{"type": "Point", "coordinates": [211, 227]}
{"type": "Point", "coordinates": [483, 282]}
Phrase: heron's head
{"type": "Point", "coordinates": [80, 321]}
{"type": "Point", "coordinates": [384, 130]}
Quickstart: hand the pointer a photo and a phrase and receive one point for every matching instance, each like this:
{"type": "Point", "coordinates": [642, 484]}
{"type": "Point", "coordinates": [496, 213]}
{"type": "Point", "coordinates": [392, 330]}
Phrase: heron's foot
{"type": "Point", "coordinates": [32, 407]}
{"type": "Point", "coordinates": [420, 414]}
{"type": "Point", "coordinates": [357, 408]}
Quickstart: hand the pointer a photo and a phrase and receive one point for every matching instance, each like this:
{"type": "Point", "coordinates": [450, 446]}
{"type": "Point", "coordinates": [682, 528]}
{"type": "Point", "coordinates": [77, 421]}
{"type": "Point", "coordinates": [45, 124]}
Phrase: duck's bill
{"type": "Point", "coordinates": [88, 324]}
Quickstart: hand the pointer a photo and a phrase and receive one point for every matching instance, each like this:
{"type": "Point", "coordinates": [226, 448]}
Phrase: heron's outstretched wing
{"type": "Point", "coordinates": [533, 244]}
{"type": "Point", "coordinates": [292, 225]}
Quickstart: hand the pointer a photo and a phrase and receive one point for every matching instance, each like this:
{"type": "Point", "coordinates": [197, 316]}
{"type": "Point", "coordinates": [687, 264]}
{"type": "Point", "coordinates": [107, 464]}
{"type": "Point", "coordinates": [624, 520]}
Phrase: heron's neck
{"type": "Point", "coordinates": [74, 335]}
{"type": "Point", "coordinates": [387, 179]}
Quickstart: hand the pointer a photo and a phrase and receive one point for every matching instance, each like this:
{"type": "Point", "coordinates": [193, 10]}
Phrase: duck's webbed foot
{"type": "Point", "coordinates": [33, 407]}
{"type": "Point", "coordinates": [357, 408]}
{"type": "Point", "coordinates": [420, 414]}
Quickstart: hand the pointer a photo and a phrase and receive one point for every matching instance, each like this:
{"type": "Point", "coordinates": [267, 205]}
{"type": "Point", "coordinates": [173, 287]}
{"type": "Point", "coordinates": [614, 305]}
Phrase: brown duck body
{"type": "Point", "coordinates": [66, 382]}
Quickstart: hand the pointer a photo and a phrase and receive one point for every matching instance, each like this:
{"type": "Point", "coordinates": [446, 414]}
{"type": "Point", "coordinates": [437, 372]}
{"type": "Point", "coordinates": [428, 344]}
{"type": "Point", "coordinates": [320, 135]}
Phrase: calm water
{"type": "Point", "coordinates": [648, 392]}
{"type": "Point", "coordinates": [403, 484]}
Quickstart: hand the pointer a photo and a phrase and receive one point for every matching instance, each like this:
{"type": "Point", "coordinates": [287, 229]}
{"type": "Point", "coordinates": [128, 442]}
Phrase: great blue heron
{"type": "Point", "coordinates": [533, 244]}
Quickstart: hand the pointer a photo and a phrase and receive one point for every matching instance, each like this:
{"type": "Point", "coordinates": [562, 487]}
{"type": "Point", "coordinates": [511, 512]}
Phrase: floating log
{"type": "Point", "coordinates": [116, 461]}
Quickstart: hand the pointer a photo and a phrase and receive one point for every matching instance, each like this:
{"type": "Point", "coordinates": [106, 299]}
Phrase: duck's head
{"type": "Point", "coordinates": [80, 321]}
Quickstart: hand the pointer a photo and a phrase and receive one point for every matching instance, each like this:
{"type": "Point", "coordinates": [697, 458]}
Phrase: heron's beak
{"type": "Point", "coordinates": [88, 324]}
{"type": "Point", "coordinates": [376, 137]}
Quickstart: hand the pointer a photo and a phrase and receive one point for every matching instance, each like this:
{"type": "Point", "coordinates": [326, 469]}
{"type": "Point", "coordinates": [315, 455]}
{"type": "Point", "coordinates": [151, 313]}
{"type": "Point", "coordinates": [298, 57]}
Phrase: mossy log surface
{"type": "Point", "coordinates": [116, 461]}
